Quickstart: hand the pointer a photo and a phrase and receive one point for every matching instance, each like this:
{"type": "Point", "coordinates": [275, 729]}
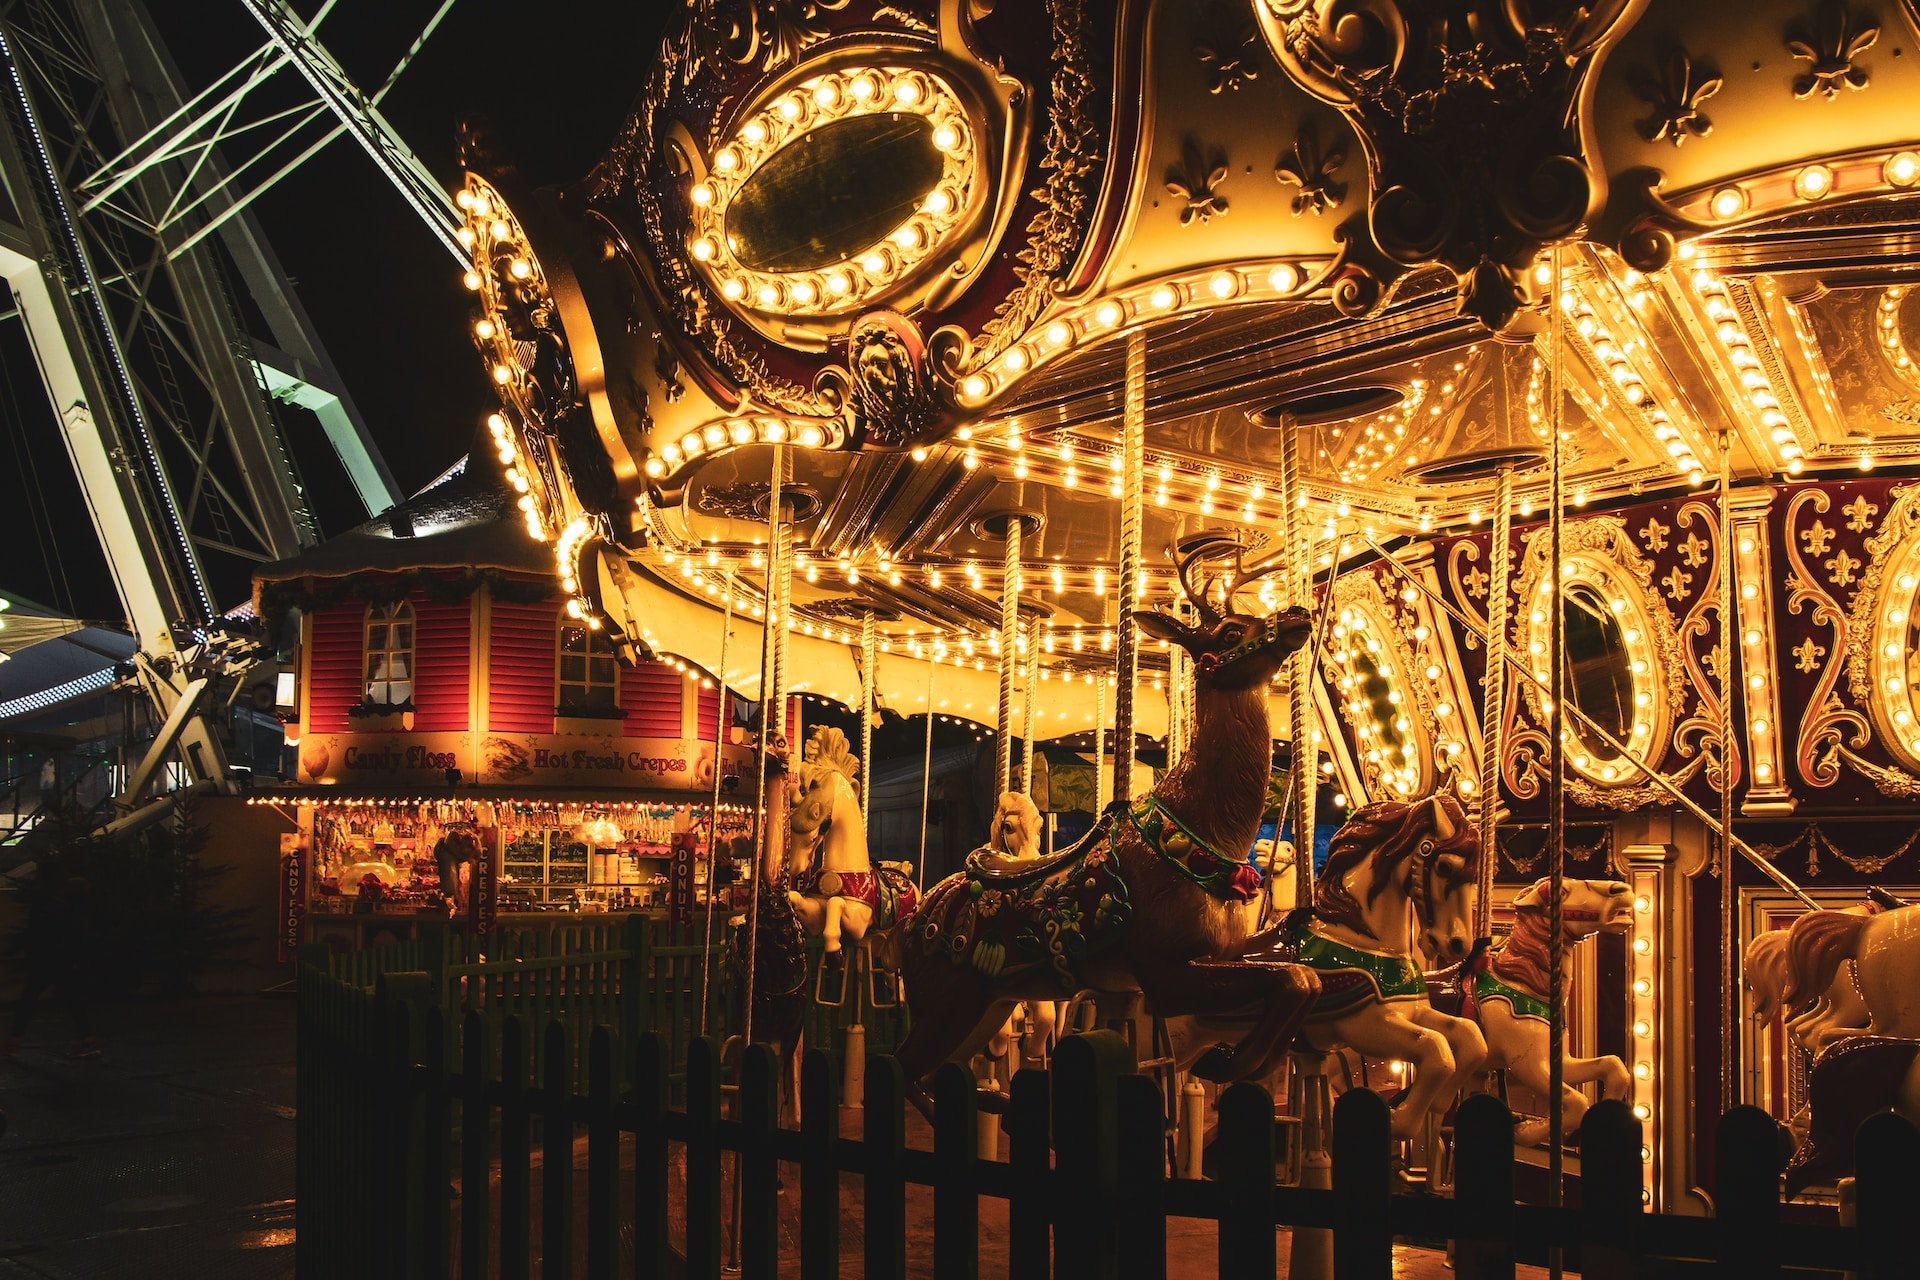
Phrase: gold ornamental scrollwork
{"type": "Point", "coordinates": [1828, 727]}
{"type": "Point", "coordinates": [1697, 737]}
{"type": "Point", "coordinates": [1879, 648]}
{"type": "Point", "coordinates": [1599, 553]}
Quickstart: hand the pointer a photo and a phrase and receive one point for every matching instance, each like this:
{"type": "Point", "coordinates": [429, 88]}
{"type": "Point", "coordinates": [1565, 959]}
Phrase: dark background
{"type": "Point", "coordinates": [549, 81]}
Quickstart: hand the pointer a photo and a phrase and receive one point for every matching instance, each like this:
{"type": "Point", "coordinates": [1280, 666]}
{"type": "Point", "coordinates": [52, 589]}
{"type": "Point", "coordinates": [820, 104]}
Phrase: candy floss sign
{"type": "Point", "coordinates": [654, 764]}
{"type": "Point", "coordinates": [293, 895]}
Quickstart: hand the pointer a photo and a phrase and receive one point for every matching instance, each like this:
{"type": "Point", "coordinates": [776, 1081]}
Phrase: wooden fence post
{"type": "Point", "coordinates": [516, 1154]}
{"type": "Point", "coordinates": [1483, 1189]}
{"type": "Point", "coordinates": [1244, 1186]}
{"type": "Point", "coordinates": [1610, 1186]}
{"type": "Point", "coordinates": [1029, 1215]}
{"type": "Point", "coordinates": [1362, 1187]}
{"type": "Point", "coordinates": [396, 1077]}
{"type": "Point", "coordinates": [1886, 1170]}
{"type": "Point", "coordinates": [433, 1247]}
{"type": "Point", "coordinates": [1142, 1208]}
{"type": "Point", "coordinates": [603, 1158]}
{"type": "Point", "coordinates": [1746, 1158]}
{"type": "Point", "coordinates": [886, 1189]}
{"type": "Point", "coordinates": [650, 1242]}
{"type": "Point", "coordinates": [703, 1160]}
{"type": "Point", "coordinates": [633, 978]}
{"type": "Point", "coordinates": [956, 1204]}
{"type": "Point", "coordinates": [819, 1176]}
{"type": "Point", "coordinates": [759, 1171]}
{"type": "Point", "coordinates": [476, 1148]}
{"type": "Point", "coordinates": [556, 1158]}
{"type": "Point", "coordinates": [1086, 1069]}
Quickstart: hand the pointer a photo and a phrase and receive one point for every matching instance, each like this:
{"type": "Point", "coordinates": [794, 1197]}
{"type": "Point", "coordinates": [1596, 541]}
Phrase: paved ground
{"type": "Point", "coordinates": [170, 1155]}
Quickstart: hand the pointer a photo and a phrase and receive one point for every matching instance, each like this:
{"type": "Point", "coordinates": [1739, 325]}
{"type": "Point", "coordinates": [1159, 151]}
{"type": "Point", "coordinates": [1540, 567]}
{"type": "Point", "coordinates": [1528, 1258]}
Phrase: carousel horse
{"type": "Point", "coordinates": [1158, 898]}
{"type": "Point", "coordinates": [1392, 866]}
{"type": "Point", "coordinates": [1013, 842]}
{"type": "Point", "coordinates": [767, 953]}
{"type": "Point", "coordinates": [1505, 989]}
{"type": "Point", "coordinates": [837, 891]}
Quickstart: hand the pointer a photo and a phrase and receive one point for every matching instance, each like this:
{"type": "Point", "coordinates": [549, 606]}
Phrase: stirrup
{"type": "Point", "coordinates": [875, 972]}
{"type": "Point", "coordinates": [845, 970]}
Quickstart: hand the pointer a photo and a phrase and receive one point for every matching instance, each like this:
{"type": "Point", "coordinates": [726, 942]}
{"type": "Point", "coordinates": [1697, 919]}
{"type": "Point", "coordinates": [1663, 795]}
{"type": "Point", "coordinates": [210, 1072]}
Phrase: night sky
{"type": "Point", "coordinates": [550, 81]}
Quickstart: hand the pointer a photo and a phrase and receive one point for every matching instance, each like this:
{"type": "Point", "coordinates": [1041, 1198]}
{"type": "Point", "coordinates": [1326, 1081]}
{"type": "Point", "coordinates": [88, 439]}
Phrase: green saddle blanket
{"type": "Point", "coordinates": [1009, 922]}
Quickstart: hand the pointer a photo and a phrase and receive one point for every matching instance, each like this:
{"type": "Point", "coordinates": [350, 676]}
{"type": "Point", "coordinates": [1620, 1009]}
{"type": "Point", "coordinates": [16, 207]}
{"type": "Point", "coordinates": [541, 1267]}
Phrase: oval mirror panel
{"type": "Point", "coordinates": [1392, 728]}
{"type": "Point", "coordinates": [833, 192]}
{"type": "Point", "coordinates": [1599, 671]}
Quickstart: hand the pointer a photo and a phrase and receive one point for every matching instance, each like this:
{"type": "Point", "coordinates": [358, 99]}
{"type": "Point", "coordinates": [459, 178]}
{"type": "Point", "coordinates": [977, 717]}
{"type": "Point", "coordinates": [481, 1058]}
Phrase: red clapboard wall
{"type": "Point", "coordinates": [442, 645]}
{"type": "Point", "coordinates": [651, 696]}
{"type": "Point", "coordinates": [333, 669]}
{"type": "Point", "coordinates": [709, 711]}
{"type": "Point", "coordinates": [520, 686]}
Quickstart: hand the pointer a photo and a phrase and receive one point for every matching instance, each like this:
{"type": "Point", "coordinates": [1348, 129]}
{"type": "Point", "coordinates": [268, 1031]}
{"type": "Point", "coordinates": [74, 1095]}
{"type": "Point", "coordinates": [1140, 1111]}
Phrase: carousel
{"type": "Point", "coordinates": [1448, 469]}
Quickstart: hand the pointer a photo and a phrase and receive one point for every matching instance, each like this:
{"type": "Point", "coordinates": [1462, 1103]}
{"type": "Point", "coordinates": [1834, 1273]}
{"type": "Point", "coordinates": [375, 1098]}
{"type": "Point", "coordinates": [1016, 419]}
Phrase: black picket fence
{"type": "Point", "coordinates": [384, 1128]}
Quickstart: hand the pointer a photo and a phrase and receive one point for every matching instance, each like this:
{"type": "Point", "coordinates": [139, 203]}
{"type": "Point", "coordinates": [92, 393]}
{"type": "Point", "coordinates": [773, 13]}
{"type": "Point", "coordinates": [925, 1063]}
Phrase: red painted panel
{"type": "Point", "coordinates": [333, 667]}
{"type": "Point", "coordinates": [709, 710]}
{"type": "Point", "coordinates": [651, 695]}
{"type": "Point", "coordinates": [520, 688]}
{"type": "Point", "coordinates": [442, 645]}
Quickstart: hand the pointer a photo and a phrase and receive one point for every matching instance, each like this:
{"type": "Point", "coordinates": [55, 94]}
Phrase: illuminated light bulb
{"type": "Point", "coordinates": [873, 263]}
{"type": "Point", "coordinates": [726, 160]}
{"type": "Point", "coordinates": [1223, 285]}
{"type": "Point", "coordinates": [826, 93]}
{"type": "Point", "coordinates": [1642, 946]}
{"type": "Point", "coordinates": [1764, 772]}
{"type": "Point", "coordinates": [1642, 986]}
{"type": "Point", "coordinates": [471, 279]}
{"type": "Point", "coordinates": [1642, 1029]}
{"type": "Point", "coordinates": [940, 202]}
{"type": "Point", "coordinates": [908, 237]}
{"type": "Point", "coordinates": [1813, 182]}
{"type": "Point", "coordinates": [1163, 297]}
{"type": "Point", "coordinates": [974, 387]}
{"type": "Point", "coordinates": [502, 374]}
{"type": "Point", "coordinates": [837, 282]}
{"type": "Point", "coordinates": [1107, 314]}
{"type": "Point", "coordinates": [656, 468]}
{"type": "Point", "coordinates": [1015, 359]}
{"type": "Point", "coordinates": [768, 295]}
{"type": "Point", "coordinates": [483, 329]}
{"type": "Point", "coordinates": [703, 248]}
{"type": "Point", "coordinates": [1641, 1111]}
{"type": "Point", "coordinates": [946, 137]}
{"type": "Point", "coordinates": [463, 198]}
{"type": "Point", "coordinates": [1902, 168]}
{"type": "Point", "coordinates": [1866, 462]}
{"type": "Point", "coordinates": [810, 437]}
{"type": "Point", "coordinates": [1728, 202]}
{"type": "Point", "coordinates": [906, 90]}
{"type": "Point", "coordinates": [465, 236]}
{"type": "Point", "coordinates": [732, 290]}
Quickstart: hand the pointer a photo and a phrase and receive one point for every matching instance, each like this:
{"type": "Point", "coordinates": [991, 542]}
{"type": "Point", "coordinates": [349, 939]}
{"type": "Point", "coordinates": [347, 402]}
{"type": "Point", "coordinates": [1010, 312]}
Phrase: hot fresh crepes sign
{"type": "Point", "coordinates": [400, 760]}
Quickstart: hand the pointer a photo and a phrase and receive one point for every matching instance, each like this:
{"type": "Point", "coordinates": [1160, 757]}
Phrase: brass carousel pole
{"type": "Point", "coordinates": [1493, 708]}
{"type": "Point", "coordinates": [1731, 1007]}
{"type": "Point", "coordinates": [1557, 753]}
{"type": "Point", "coordinates": [926, 780]}
{"type": "Point", "coordinates": [1029, 669]}
{"type": "Point", "coordinates": [1133, 448]}
{"type": "Point", "coordinates": [772, 697]}
{"type": "Point", "coordinates": [713, 819]}
{"type": "Point", "coordinates": [1010, 585]}
{"type": "Point", "coordinates": [869, 655]}
{"type": "Point", "coordinates": [1301, 785]}
{"type": "Point", "coordinates": [1101, 780]}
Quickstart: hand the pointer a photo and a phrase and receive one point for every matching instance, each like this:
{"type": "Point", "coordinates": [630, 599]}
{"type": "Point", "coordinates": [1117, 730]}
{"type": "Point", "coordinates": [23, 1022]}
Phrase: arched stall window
{"type": "Point", "coordinates": [389, 651]}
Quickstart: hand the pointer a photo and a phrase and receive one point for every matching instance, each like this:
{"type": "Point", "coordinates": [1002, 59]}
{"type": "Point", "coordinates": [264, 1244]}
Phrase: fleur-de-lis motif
{"type": "Point", "coordinates": [1477, 581]}
{"type": "Point", "coordinates": [1842, 569]}
{"type": "Point", "coordinates": [1654, 534]}
{"type": "Point", "coordinates": [1831, 47]}
{"type": "Point", "coordinates": [1676, 582]}
{"type": "Point", "coordinates": [1860, 513]}
{"type": "Point", "coordinates": [1694, 550]}
{"type": "Point", "coordinates": [1807, 654]}
{"type": "Point", "coordinates": [1312, 170]}
{"type": "Point", "coordinates": [1675, 95]}
{"type": "Point", "coordinates": [1226, 72]}
{"type": "Point", "coordinates": [1716, 661]}
{"type": "Point", "coordinates": [1195, 180]}
{"type": "Point", "coordinates": [1817, 538]}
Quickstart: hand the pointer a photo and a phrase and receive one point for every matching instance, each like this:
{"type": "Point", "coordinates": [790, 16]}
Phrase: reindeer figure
{"type": "Point", "coordinates": [1159, 897]}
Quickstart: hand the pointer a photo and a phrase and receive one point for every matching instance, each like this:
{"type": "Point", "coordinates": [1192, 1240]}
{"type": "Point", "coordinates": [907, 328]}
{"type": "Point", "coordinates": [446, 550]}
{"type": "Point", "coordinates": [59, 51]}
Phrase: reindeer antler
{"type": "Point", "coordinates": [1189, 553]}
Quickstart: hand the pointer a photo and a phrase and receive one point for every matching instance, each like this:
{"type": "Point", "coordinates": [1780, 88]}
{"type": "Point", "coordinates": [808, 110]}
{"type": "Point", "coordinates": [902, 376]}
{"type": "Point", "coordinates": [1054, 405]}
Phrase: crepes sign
{"type": "Point", "coordinates": [423, 760]}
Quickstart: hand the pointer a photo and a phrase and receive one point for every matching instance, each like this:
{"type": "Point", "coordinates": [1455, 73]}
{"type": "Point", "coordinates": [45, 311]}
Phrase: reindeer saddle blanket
{"type": "Point", "coordinates": [1029, 918]}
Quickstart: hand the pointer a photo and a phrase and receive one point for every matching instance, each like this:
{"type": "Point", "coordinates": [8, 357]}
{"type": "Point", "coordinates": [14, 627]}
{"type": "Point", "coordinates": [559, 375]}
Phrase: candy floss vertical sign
{"type": "Point", "coordinates": [293, 894]}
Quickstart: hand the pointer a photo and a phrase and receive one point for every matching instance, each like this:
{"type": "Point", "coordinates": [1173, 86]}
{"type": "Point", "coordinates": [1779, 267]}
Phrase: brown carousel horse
{"type": "Point", "coordinates": [1159, 897]}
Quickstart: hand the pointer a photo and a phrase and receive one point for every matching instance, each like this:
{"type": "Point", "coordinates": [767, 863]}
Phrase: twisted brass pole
{"type": "Point", "coordinates": [1133, 440]}
{"type": "Point", "coordinates": [1009, 658]}
{"type": "Point", "coordinates": [1493, 707]}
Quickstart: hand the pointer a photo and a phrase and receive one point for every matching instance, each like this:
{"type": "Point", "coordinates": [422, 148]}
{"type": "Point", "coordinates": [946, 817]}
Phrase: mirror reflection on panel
{"type": "Point", "coordinates": [1599, 671]}
{"type": "Point", "coordinates": [833, 192]}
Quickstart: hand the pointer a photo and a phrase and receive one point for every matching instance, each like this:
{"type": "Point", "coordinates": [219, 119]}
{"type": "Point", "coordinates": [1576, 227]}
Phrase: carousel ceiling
{"type": "Point", "coordinates": [909, 248]}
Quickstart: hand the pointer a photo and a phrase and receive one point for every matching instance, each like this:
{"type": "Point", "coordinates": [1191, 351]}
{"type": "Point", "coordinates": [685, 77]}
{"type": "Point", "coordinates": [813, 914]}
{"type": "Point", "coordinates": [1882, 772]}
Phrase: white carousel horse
{"type": "Point", "coordinates": [837, 891]}
{"type": "Point", "coordinates": [1884, 949]}
{"type": "Point", "coordinates": [1391, 867]}
{"type": "Point", "coordinates": [1508, 987]}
